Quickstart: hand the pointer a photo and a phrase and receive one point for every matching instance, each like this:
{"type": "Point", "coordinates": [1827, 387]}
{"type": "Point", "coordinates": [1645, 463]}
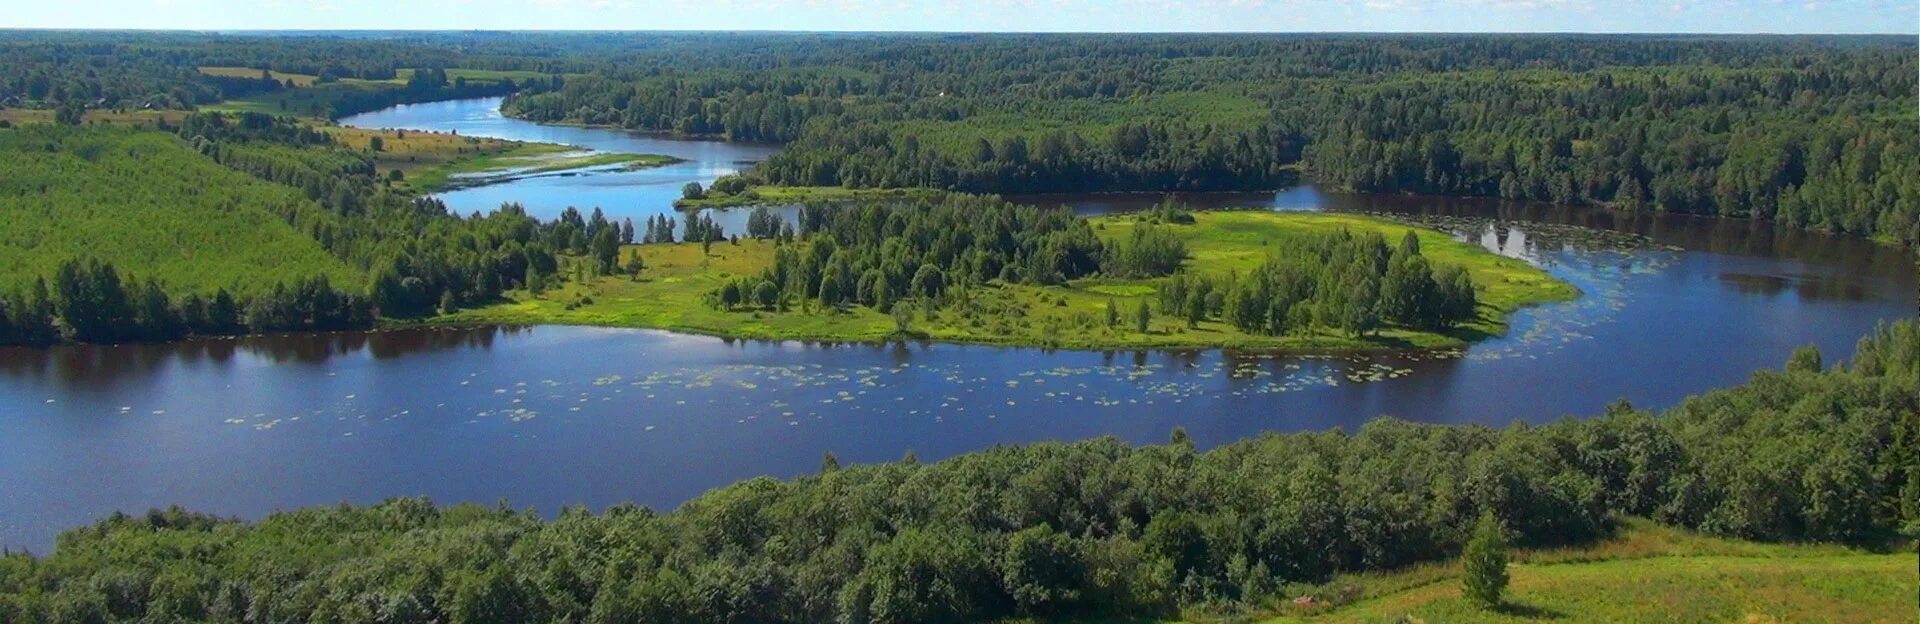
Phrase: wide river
{"type": "Point", "coordinates": [553, 416]}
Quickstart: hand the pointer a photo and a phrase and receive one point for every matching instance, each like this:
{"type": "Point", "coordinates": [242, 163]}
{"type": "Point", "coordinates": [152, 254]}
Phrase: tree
{"type": "Point", "coordinates": [1486, 563]}
{"type": "Point", "coordinates": [377, 144]}
{"type": "Point", "coordinates": [1805, 359]}
{"type": "Point", "coordinates": [606, 250]}
{"type": "Point", "coordinates": [1195, 307]}
{"type": "Point", "coordinates": [70, 113]}
{"type": "Point", "coordinates": [1142, 317]}
{"type": "Point", "coordinates": [692, 190]}
{"type": "Point", "coordinates": [766, 294]}
{"type": "Point", "coordinates": [730, 295]}
{"type": "Point", "coordinates": [1044, 570]}
{"type": "Point", "coordinates": [829, 292]}
{"type": "Point", "coordinates": [902, 318]}
{"type": "Point", "coordinates": [929, 282]}
{"type": "Point", "coordinates": [1113, 313]}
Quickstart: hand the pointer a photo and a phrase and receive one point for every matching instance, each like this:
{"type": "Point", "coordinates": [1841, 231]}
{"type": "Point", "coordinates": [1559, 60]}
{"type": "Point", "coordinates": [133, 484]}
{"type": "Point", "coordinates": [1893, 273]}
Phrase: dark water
{"type": "Point", "coordinates": [556, 415]}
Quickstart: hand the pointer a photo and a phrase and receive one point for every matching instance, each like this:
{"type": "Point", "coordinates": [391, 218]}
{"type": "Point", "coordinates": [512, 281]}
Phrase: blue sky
{"type": "Point", "coordinates": [1723, 16]}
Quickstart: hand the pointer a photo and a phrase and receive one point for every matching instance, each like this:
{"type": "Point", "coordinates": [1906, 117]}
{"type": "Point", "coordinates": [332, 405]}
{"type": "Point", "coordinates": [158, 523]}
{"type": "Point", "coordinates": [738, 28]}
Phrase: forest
{"type": "Point", "coordinates": [1814, 132]}
{"type": "Point", "coordinates": [337, 247]}
{"type": "Point", "coordinates": [1811, 452]}
{"type": "Point", "coordinates": [875, 253]}
{"type": "Point", "coordinates": [884, 254]}
{"type": "Point", "coordinates": [1353, 283]}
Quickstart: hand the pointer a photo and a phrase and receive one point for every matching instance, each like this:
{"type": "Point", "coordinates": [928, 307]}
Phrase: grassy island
{"type": "Point", "coordinates": [436, 161]}
{"type": "Point", "coordinates": [673, 292]}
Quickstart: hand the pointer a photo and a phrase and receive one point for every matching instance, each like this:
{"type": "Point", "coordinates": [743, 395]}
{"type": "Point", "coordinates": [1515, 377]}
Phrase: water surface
{"type": "Point", "coordinates": [621, 194]}
{"type": "Point", "coordinates": [552, 416]}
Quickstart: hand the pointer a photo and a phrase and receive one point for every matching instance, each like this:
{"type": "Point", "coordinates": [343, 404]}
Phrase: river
{"type": "Point", "coordinates": [553, 416]}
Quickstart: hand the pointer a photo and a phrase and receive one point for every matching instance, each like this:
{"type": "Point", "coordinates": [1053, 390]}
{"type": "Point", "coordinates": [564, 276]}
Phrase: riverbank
{"type": "Point", "coordinates": [788, 195]}
{"type": "Point", "coordinates": [530, 159]}
{"type": "Point", "coordinates": [671, 294]}
{"type": "Point", "coordinates": [431, 162]}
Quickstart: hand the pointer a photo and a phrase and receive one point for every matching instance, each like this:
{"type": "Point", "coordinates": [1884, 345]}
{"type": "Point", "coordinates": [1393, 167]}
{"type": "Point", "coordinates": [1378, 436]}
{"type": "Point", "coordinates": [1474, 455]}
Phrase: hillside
{"type": "Point", "coordinates": [146, 201]}
{"type": "Point", "coordinates": [1647, 573]}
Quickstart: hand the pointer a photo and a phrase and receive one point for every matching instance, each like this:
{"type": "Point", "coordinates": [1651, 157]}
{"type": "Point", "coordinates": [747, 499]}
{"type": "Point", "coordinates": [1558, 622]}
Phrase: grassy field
{"type": "Point", "coordinates": [428, 161]}
{"type": "Point", "coordinates": [1647, 573]}
{"type": "Point", "coordinates": [314, 101]}
{"type": "Point", "coordinates": [670, 291]}
{"type": "Point", "coordinates": [299, 80]}
{"type": "Point", "coordinates": [425, 159]}
{"type": "Point", "coordinates": [108, 116]}
{"type": "Point", "coordinates": [778, 195]}
{"type": "Point", "coordinates": [151, 205]}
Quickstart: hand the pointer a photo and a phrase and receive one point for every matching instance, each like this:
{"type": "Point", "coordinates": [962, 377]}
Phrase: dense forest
{"type": "Point", "coordinates": [1811, 131]}
{"type": "Point", "coordinates": [1096, 527]}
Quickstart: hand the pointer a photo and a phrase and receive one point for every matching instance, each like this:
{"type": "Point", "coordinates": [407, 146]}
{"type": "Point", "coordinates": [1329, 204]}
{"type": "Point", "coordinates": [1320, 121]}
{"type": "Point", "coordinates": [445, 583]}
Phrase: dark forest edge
{"type": "Point", "coordinates": [1810, 453]}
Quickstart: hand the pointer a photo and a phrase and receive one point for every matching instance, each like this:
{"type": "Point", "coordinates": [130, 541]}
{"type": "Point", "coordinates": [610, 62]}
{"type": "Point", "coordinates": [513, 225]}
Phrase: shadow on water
{"type": "Point", "coordinates": [81, 366]}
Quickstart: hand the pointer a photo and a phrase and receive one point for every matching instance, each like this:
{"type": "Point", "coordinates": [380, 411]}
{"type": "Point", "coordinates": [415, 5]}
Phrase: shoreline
{"type": "Point", "coordinates": [670, 297]}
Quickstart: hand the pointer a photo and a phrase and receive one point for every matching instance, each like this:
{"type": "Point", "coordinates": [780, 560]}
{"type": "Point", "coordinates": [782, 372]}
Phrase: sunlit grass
{"type": "Point", "coordinates": [1647, 573]}
{"type": "Point", "coordinates": [670, 295]}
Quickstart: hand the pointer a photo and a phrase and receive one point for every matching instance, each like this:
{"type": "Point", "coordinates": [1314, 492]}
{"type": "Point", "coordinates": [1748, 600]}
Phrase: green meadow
{"type": "Point", "coordinates": [148, 203]}
{"type": "Point", "coordinates": [670, 294]}
{"type": "Point", "coordinates": [1647, 573]}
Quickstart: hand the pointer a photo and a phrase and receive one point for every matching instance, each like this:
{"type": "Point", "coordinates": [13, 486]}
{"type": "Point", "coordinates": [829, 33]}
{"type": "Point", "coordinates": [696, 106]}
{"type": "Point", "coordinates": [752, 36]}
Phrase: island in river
{"type": "Point", "coordinates": [673, 289]}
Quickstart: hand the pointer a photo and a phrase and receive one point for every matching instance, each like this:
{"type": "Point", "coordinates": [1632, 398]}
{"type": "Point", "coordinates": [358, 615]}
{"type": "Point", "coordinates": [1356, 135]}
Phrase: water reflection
{"type": "Point", "coordinates": [80, 366]}
{"type": "Point", "coordinates": [1819, 264]}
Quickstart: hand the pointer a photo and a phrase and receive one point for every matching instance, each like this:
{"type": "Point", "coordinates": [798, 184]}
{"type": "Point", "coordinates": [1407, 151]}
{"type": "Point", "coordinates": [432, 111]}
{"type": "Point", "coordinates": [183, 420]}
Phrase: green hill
{"type": "Point", "coordinates": [1648, 573]}
{"type": "Point", "coordinates": [147, 202]}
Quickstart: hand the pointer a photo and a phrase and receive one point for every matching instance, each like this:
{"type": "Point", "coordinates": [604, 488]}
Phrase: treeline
{"type": "Point", "coordinates": [1354, 283]}
{"type": "Point", "coordinates": [1049, 530]}
{"type": "Point", "coordinates": [1814, 146]}
{"type": "Point", "coordinates": [412, 256]}
{"type": "Point", "coordinates": [131, 69]}
{"type": "Point", "coordinates": [90, 301]}
{"type": "Point", "coordinates": [878, 253]}
{"type": "Point", "coordinates": [1811, 131]}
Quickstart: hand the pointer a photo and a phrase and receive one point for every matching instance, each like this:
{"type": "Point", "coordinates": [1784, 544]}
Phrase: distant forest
{"type": "Point", "coordinates": [1817, 132]}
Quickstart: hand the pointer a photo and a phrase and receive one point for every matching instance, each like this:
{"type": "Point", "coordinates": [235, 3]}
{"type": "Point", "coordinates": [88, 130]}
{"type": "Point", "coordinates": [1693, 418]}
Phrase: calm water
{"type": "Point", "coordinates": [554, 415]}
{"type": "Point", "coordinates": [636, 194]}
